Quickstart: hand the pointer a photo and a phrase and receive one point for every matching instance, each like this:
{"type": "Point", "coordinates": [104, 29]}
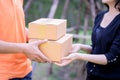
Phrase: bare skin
{"type": "Point", "coordinates": [31, 50]}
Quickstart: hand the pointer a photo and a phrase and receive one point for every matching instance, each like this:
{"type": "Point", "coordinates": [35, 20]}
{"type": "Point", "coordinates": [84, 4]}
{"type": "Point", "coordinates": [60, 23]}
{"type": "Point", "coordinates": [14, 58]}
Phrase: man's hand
{"type": "Point", "coordinates": [33, 52]}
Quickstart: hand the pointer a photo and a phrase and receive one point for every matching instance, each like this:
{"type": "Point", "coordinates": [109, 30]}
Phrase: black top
{"type": "Point", "coordinates": [106, 41]}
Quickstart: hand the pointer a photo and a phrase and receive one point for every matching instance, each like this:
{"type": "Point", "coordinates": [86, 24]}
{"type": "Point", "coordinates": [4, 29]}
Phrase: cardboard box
{"type": "Point", "coordinates": [45, 28]}
{"type": "Point", "coordinates": [55, 50]}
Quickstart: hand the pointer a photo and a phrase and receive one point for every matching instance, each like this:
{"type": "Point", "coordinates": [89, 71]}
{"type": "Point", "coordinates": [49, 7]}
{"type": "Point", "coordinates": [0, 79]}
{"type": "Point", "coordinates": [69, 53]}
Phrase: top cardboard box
{"type": "Point", "coordinates": [45, 28]}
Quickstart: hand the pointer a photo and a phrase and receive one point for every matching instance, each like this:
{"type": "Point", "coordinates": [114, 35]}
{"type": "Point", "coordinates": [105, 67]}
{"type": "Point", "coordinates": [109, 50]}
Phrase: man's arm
{"type": "Point", "coordinates": [6, 47]}
{"type": "Point", "coordinates": [31, 50]}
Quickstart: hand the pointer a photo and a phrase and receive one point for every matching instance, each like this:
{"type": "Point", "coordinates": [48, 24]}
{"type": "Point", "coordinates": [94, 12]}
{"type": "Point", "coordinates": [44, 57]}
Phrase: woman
{"type": "Point", "coordinates": [104, 60]}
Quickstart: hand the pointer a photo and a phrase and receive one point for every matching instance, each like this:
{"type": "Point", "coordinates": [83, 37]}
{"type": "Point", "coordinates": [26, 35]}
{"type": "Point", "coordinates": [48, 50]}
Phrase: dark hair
{"type": "Point", "coordinates": [117, 5]}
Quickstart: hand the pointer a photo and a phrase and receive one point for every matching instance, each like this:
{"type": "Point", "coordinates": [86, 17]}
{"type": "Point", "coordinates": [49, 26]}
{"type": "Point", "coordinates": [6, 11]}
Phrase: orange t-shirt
{"type": "Point", "coordinates": [12, 29]}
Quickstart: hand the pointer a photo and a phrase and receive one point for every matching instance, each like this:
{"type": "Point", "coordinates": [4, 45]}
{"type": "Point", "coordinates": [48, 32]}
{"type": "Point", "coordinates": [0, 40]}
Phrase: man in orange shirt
{"type": "Point", "coordinates": [15, 53]}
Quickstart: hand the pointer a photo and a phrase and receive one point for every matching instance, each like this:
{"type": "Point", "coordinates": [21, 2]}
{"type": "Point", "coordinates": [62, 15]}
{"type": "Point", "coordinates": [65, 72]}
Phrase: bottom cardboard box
{"type": "Point", "coordinates": [55, 50]}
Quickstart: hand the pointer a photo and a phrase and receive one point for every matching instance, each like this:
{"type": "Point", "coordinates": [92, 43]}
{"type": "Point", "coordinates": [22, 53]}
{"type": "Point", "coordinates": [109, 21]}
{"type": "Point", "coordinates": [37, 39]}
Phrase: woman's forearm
{"type": "Point", "coordinates": [86, 48]}
{"type": "Point", "coordinates": [98, 59]}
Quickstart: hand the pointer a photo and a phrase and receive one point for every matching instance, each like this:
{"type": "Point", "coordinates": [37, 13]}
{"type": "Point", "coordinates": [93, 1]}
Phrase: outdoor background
{"type": "Point", "coordinates": [80, 15]}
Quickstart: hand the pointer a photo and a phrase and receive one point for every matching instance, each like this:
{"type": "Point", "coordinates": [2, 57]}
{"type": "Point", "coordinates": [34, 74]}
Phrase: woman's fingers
{"type": "Point", "coordinates": [63, 63]}
{"type": "Point", "coordinates": [66, 58]}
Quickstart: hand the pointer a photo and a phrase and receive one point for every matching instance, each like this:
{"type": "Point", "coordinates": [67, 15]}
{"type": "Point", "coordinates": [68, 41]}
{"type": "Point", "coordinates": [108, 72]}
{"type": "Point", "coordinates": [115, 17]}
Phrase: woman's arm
{"type": "Point", "coordinates": [83, 47]}
{"type": "Point", "coordinates": [86, 48]}
{"type": "Point", "coordinates": [98, 59]}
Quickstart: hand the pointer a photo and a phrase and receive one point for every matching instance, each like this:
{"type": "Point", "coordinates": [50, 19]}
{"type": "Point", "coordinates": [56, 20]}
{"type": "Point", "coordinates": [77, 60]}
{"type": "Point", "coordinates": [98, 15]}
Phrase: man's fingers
{"type": "Point", "coordinates": [42, 41]}
{"type": "Point", "coordinates": [37, 59]}
{"type": "Point", "coordinates": [44, 57]}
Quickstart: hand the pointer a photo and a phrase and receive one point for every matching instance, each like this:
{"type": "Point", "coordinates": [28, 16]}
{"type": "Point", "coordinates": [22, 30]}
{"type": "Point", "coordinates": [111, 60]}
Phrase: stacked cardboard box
{"type": "Point", "coordinates": [59, 43]}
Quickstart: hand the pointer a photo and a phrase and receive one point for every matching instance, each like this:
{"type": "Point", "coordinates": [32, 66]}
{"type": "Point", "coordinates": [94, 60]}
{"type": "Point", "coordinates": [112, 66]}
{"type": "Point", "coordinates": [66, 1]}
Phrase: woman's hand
{"type": "Point", "coordinates": [83, 47]}
{"type": "Point", "coordinates": [68, 59]}
{"type": "Point", "coordinates": [75, 48]}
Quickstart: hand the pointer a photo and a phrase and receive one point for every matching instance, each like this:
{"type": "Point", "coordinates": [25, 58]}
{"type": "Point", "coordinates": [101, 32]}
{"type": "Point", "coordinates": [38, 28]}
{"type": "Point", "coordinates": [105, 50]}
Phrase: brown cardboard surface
{"type": "Point", "coordinates": [46, 28]}
{"type": "Point", "coordinates": [55, 50]}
